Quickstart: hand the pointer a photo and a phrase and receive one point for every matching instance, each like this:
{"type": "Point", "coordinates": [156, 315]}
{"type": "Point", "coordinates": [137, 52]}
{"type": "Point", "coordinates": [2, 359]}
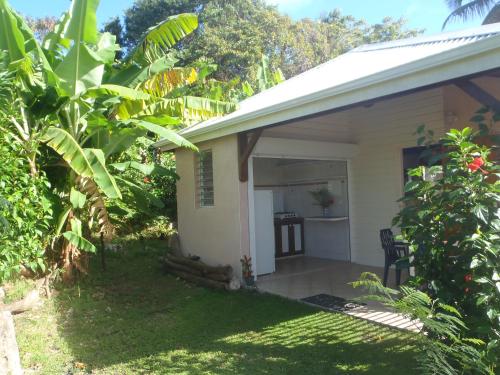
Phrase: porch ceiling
{"type": "Point", "coordinates": [341, 126]}
{"type": "Point", "coordinates": [329, 127]}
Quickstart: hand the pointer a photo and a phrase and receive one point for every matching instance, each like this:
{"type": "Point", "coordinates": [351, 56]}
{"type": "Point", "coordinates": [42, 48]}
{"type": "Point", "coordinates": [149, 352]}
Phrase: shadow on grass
{"type": "Point", "coordinates": [135, 319]}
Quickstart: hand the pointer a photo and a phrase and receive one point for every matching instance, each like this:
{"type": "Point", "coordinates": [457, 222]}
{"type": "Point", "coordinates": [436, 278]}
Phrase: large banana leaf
{"type": "Point", "coordinates": [190, 109]}
{"type": "Point", "coordinates": [55, 39]}
{"type": "Point", "coordinates": [31, 46]}
{"type": "Point", "coordinates": [101, 176]}
{"type": "Point", "coordinates": [164, 133]}
{"type": "Point", "coordinates": [134, 74]}
{"type": "Point", "coordinates": [62, 220]}
{"type": "Point", "coordinates": [82, 26]}
{"type": "Point", "coordinates": [11, 37]}
{"type": "Point", "coordinates": [151, 169]}
{"type": "Point", "coordinates": [143, 198]}
{"type": "Point", "coordinates": [161, 84]}
{"type": "Point", "coordinates": [77, 199]}
{"type": "Point", "coordinates": [65, 145]}
{"type": "Point", "coordinates": [121, 91]}
{"type": "Point", "coordinates": [121, 139]}
{"type": "Point", "coordinates": [164, 35]}
{"type": "Point", "coordinates": [107, 48]}
{"type": "Point", "coordinates": [79, 242]}
{"type": "Point", "coordinates": [80, 70]}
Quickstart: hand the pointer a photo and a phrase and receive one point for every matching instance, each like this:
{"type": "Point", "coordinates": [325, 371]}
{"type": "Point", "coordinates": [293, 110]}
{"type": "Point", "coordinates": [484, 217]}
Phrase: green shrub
{"type": "Point", "coordinates": [26, 212]}
{"type": "Point", "coordinates": [452, 222]}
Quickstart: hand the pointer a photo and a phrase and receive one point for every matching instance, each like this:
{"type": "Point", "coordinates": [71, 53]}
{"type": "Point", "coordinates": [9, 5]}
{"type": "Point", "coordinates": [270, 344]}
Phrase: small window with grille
{"type": "Point", "coordinates": [204, 179]}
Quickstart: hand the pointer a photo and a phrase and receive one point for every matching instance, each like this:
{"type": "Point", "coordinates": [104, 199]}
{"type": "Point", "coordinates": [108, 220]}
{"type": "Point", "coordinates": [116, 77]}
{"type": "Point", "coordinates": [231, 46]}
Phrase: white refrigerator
{"type": "Point", "coordinates": [264, 232]}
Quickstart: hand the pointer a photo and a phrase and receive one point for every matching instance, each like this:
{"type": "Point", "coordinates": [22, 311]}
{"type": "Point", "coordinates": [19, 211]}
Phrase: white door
{"type": "Point", "coordinates": [264, 232]}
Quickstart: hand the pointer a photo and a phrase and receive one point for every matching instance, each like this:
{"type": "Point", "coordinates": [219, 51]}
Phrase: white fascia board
{"type": "Point", "coordinates": [285, 148]}
{"type": "Point", "coordinates": [458, 62]}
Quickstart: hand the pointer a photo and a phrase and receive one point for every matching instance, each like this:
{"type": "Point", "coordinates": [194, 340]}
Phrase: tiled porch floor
{"type": "Point", "coordinates": [302, 277]}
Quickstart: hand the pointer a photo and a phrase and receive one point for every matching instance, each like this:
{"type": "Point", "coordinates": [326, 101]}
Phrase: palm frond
{"type": "Point", "coordinates": [468, 10]}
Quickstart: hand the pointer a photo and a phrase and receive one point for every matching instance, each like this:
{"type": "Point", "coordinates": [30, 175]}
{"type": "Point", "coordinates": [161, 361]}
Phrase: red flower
{"type": "Point", "coordinates": [476, 164]}
{"type": "Point", "coordinates": [147, 180]}
{"type": "Point", "coordinates": [468, 278]}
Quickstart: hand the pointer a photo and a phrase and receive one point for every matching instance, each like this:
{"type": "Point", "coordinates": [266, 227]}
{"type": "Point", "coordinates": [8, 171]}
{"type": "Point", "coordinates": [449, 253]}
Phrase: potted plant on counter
{"type": "Point", "coordinates": [246, 263]}
{"type": "Point", "coordinates": [323, 198]}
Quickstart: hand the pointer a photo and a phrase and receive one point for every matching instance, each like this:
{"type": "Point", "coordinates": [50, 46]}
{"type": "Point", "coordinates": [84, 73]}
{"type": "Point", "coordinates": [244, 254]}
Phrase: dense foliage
{"type": "Point", "coordinates": [70, 98]}
{"type": "Point", "coordinates": [234, 34]}
{"type": "Point", "coordinates": [25, 212]}
{"type": "Point", "coordinates": [451, 218]}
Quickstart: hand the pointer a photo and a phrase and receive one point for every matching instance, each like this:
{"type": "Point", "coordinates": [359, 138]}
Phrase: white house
{"type": "Point", "coordinates": [347, 125]}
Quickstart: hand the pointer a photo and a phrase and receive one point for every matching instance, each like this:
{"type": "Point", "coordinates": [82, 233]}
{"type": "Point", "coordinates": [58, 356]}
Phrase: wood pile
{"type": "Point", "coordinates": [197, 272]}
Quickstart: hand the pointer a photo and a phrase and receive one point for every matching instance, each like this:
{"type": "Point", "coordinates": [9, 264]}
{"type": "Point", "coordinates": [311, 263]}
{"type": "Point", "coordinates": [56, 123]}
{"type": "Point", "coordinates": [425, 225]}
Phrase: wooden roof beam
{"type": "Point", "coordinates": [479, 94]}
{"type": "Point", "coordinates": [245, 148]}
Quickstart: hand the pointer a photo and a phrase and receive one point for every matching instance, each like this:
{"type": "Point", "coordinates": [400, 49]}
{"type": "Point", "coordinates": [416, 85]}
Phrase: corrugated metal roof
{"type": "Point", "coordinates": [359, 63]}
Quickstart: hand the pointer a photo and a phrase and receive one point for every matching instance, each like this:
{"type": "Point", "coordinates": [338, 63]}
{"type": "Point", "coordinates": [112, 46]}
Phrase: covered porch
{"type": "Point", "coordinates": [361, 154]}
{"type": "Point", "coordinates": [302, 277]}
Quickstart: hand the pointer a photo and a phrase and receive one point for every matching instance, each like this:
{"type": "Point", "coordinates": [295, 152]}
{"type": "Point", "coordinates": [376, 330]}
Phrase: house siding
{"type": "Point", "coordinates": [213, 233]}
{"type": "Point", "coordinates": [376, 173]}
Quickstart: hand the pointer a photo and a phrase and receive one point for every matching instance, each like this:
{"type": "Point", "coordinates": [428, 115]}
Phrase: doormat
{"type": "Point", "coordinates": [332, 302]}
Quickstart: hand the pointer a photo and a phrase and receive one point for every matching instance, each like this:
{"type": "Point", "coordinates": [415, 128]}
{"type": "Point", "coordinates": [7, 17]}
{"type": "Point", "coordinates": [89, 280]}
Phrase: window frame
{"type": "Point", "coordinates": [204, 179]}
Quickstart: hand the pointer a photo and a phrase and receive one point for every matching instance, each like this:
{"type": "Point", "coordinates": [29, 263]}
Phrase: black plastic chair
{"type": "Point", "coordinates": [395, 253]}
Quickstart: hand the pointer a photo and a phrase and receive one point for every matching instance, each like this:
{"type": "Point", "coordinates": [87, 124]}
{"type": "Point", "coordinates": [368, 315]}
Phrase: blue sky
{"type": "Point", "coordinates": [426, 14]}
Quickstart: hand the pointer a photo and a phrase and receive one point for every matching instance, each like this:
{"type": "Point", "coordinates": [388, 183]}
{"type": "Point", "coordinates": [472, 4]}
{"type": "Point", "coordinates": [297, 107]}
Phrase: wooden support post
{"type": "Point", "coordinates": [479, 94]}
{"type": "Point", "coordinates": [103, 255]}
{"type": "Point", "coordinates": [245, 148]}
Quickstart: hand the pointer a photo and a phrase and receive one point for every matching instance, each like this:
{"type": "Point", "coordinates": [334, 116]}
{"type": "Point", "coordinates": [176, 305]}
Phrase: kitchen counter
{"type": "Point", "coordinates": [327, 237]}
{"type": "Point", "coordinates": [327, 218]}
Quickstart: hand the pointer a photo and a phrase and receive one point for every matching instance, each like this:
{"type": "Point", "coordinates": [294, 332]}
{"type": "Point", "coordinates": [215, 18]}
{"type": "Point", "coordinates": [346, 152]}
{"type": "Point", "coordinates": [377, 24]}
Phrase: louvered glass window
{"type": "Point", "coordinates": [205, 179]}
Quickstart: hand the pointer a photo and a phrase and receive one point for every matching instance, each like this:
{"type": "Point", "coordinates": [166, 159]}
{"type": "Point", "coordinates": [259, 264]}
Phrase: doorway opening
{"type": "Point", "coordinates": [300, 210]}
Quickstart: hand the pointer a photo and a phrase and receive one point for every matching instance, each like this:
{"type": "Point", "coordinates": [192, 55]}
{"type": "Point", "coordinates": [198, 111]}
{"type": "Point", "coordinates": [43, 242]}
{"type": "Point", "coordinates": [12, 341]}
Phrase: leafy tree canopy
{"type": "Point", "coordinates": [234, 35]}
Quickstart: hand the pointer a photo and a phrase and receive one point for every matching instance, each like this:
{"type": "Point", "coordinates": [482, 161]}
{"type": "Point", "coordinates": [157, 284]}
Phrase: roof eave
{"type": "Point", "coordinates": [385, 78]}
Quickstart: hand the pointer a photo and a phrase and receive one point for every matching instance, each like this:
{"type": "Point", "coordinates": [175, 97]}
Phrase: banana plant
{"type": "Point", "coordinates": [88, 108]}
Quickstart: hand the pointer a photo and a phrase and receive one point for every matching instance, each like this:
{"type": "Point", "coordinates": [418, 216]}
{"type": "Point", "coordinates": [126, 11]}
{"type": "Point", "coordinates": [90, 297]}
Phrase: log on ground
{"type": "Point", "coordinates": [204, 269]}
{"type": "Point", "coordinates": [199, 280]}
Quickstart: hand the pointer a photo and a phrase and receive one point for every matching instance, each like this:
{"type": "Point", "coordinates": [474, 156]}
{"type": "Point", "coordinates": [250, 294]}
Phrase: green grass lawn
{"type": "Point", "coordinates": [134, 319]}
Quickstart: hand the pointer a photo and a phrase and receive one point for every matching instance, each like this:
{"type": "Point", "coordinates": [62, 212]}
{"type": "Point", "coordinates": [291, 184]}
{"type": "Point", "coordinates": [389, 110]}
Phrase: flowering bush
{"type": "Point", "coordinates": [453, 225]}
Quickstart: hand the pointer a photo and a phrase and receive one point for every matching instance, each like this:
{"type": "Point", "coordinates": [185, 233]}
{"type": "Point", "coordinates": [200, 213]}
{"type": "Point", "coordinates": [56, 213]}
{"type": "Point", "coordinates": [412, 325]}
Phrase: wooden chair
{"type": "Point", "coordinates": [395, 253]}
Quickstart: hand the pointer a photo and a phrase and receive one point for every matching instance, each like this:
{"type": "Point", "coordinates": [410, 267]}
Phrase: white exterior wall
{"type": "Point", "coordinates": [219, 234]}
{"type": "Point", "coordinates": [376, 173]}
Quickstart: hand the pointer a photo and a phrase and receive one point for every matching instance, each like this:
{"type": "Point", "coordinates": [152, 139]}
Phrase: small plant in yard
{"type": "Point", "coordinates": [452, 223]}
{"type": "Point", "coordinates": [246, 264]}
